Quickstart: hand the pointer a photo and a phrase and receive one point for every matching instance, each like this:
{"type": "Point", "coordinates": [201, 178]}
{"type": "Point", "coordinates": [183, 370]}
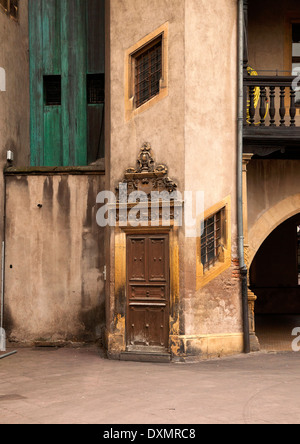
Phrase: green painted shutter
{"type": "Point", "coordinates": [96, 61]}
{"type": "Point", "coordinates": [60, 45]}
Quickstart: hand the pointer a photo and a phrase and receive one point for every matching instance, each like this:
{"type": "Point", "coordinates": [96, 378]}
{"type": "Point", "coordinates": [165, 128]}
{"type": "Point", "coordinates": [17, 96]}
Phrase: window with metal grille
{"type": "Point", "coordinates": [148, 72]}
{"type": "Point", "coordinates": [10, 7]}
{"type": "Point", "coordinates": [95, 89]}
{"type": "Point", "coordinates": [298, 252]}
{"type": "Point", "coordinates": [211, 240]}
{"type": "Point", "coordinates": [52, 90]}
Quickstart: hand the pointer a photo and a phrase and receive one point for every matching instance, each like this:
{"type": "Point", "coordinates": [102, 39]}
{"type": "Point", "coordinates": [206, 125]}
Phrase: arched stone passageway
{"type": "Point", "coordinates": [274, 279]}
{"type": "Point", "coordinates": [269, 221]}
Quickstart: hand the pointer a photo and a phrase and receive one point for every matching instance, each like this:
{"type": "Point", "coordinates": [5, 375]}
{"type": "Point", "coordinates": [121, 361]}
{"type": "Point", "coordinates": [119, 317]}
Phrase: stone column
{"type": "Point", "coordinates": [254, 344]}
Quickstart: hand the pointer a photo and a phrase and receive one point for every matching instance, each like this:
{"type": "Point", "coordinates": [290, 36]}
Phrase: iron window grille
{"type": "Point", "coordinates": [211, 240]}
{"type": "Point", "coordinates": [52, 90]}
{"type": "Point", "coordinates": [95, 89]}
{"type": "Point", "coordinates": [10, 7]}
{"type": "Point", "coordinates": [148, 72]}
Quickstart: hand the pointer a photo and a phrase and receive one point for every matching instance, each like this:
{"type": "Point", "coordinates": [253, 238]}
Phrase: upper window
{"type": "Point", "coordinates": [10, 7]}
{"type": "Point", "coordinates": [148, 72]}
{"type": "Point", "coordinates": [52, 90]}
{"type": "Point", "coordinates": [95, 89]}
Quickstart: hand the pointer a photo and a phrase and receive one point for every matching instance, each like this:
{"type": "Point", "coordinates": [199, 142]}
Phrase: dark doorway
{"type": "Point", "coordinates": [274, 278]}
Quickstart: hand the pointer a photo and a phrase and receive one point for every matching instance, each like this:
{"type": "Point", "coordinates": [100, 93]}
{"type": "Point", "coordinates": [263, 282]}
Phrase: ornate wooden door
{"type": "Point", "coordinates": [148, 291]}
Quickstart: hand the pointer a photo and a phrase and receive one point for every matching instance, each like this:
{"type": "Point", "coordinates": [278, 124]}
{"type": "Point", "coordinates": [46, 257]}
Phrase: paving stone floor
{"type": "Point", "coordinates": [80, 386]}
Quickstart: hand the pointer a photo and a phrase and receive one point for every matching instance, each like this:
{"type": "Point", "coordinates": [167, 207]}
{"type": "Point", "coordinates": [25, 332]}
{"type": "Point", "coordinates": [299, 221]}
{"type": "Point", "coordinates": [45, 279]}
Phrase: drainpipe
{"type": "Point", "coordinates": [2, 286]}
{"type": "Point", "coordinates": [3, 252]}
{"type": "Point", "coordinates": [240, 222]}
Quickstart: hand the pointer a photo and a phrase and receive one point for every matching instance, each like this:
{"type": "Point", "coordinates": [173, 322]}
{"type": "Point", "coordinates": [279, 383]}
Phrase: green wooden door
{"type": "Point", "coordinates": [62, 55]}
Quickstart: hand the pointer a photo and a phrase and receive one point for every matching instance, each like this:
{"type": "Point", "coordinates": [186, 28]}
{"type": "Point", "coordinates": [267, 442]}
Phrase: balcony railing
{"type": "Point", "coordinates": [271, 112]}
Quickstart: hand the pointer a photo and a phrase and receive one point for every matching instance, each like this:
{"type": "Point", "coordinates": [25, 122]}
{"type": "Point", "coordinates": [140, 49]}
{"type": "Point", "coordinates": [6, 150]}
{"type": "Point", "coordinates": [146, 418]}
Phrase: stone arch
{"type": "Point", "coordinates": [270, 220]}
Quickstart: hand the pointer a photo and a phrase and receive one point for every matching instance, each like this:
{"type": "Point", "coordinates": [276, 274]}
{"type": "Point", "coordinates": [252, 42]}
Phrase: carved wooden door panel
{"type": "Point", "coordinates": [148, 291]}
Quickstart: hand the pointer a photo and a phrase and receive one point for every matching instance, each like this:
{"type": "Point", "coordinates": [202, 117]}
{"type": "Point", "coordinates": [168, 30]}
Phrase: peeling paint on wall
{"type": "Point", "coordinates": [55, 288]}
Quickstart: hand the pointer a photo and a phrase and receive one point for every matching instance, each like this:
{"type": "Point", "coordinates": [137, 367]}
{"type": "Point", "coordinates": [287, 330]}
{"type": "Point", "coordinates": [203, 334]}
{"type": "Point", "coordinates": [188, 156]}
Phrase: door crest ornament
{"type": "Point", "coordinates": [147, 177]}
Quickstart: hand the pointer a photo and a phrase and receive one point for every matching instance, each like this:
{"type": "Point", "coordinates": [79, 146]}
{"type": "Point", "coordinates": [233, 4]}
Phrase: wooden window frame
{"type": "Point", "coordinates": [145, 53]}
{"type": "Point", "coordinates": [7, 10]}
{"type": "Point", "coordinates": [221, 263]}
{"type": "Point", "coordinates": [212, 239]}
{"type": "Point", "coordinates": [131, 108]}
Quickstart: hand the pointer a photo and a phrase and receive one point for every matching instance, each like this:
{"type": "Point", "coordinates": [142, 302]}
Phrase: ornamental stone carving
{"type": "Point", "coordinates": [146, 177]}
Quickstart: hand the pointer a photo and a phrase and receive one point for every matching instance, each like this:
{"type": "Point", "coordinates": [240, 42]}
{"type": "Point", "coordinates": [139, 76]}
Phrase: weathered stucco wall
{"type": "Point", "coordinates": [210, 150]}
{"type": "Point", "coordinates": [163, 124]}
{"type": "Point", "coordinates": [267, 32]}
{"type": "Point", "coordinates": [210, 98]}
{"type": "Point", "coordinates": [14, 103]}
{"type": "Point", "coordinates": [192, 131]}
{"type": "Point", "coordinates": [54, 283]}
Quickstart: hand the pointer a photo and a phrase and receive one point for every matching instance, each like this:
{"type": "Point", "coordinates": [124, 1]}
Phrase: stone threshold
{"type": "Point", "coordinates": [145, 357]}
